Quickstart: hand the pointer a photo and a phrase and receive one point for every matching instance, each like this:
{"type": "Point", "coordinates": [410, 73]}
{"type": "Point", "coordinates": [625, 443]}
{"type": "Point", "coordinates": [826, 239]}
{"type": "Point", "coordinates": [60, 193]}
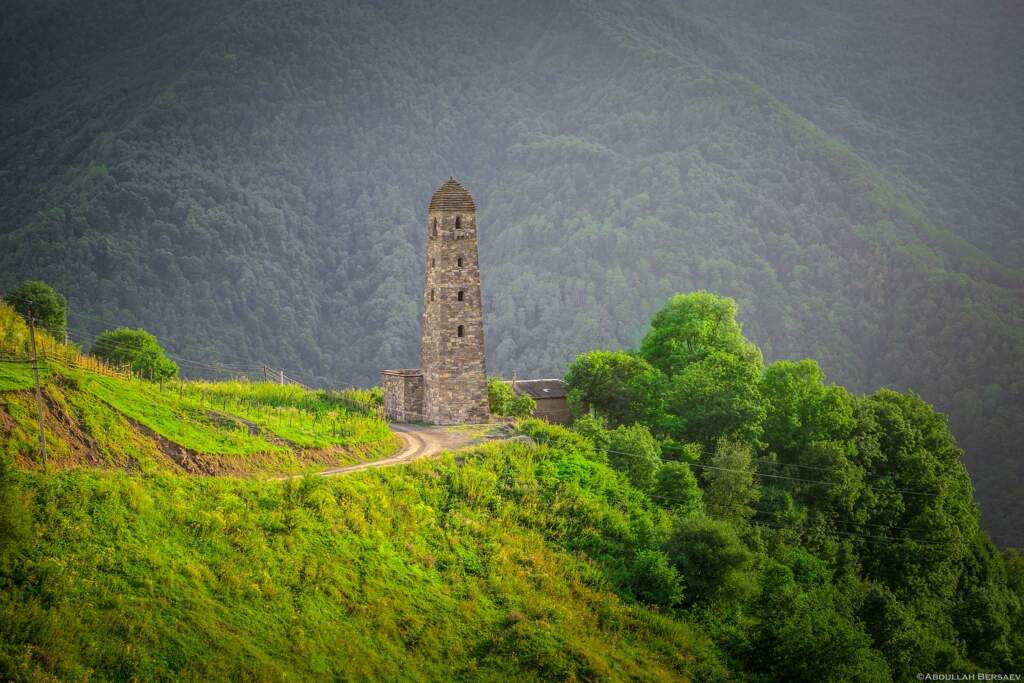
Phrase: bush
{"type": "Point", "coordinates": [634, 451]}
{"type": "Point", "coordinates": [676, 488]}
{"type": "Point", "coordinates": [139, 349]}
{"type": "Point", "coordinates": [654, 581]}
{"type": "Point", "coordinates": [712, 560]}
{"type": "Point", "coordinates": [503, 400]}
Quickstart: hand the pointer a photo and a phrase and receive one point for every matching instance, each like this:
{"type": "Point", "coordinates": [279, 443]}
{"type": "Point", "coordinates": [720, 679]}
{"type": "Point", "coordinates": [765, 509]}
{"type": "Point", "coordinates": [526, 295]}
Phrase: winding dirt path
{"type": "Point", "coordinates": [420, 442]}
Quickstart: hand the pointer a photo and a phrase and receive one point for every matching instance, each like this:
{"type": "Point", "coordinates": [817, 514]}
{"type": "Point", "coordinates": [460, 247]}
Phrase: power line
{"type": "Point", "coordinates": [800, 479]}
{"type": "Point", "coordinates": [802, 527]}
{"type": "Point", "coordinates": [84, 337]}
{"type": "Point", "coordinates": [778, 511]}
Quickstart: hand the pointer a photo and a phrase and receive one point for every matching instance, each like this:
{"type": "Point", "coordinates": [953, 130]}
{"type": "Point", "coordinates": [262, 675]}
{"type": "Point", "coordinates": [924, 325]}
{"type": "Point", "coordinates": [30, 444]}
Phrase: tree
{"type": "Point", "coordinates": [729, 486]}
{"type": "Point", "coordinates": [801, 409]}
{"type": "Point", "coordinates": [503, 400]}
{"type": "Point", "coordinates": [713, 372]}
{"type": "Point", "coordinates": [48, 307]}
{"type": "Point", "coordinates": [634, 451]}
{"type": "Point", "coordinates": [712, 560]}
{"type": "Point", "coordinates": [138, 348]}
{"type": "Point", "coordinates": [620, 386]}
{"type": "Point", "coordinates": [802, 634]}
{"type": "Point", "coordinates": [715, 397]}
{"type": "Point", "coordinates": [676, 488]}
{"type": "Point", "coordinates": [692, 326]}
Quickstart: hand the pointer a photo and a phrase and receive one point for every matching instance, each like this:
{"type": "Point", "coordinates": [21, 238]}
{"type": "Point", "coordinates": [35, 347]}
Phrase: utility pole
{"type": "Point", "coordinates": [266, 378]}
{"type": "Point", "coordinates": [281, 376]}
{"type": "Point", "coordinates": [39, 391]}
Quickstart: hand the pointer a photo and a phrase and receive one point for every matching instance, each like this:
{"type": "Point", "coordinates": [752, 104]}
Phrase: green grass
{"type": "Point", "coordinates": [169, 416]}
{"type": "Point", "coordinates": [244, 426]}
{"type": "Point", "coordinates": [18, 375]}
{"type": "Point", "coordinates": [426, 572]}
{"type": "Point", "coordinates": [309, 419]}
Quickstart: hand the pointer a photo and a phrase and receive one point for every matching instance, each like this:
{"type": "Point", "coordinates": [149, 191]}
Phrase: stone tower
{"type": "Point", "coordinates": [452, 341]}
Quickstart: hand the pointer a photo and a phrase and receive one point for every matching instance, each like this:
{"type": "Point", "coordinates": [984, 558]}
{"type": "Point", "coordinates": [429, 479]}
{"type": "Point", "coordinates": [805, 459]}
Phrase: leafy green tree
{"type": "Point", "coordinates": [729, 485]}
{"type": "Point", "coordinates": [632, 450]}
{"type": "Point", "coordinates": [804, 635]}
{"type": "Point", "coordinates": [985, 607]}
{"type": "Point", "coordinates": [692, 326]}
{"type": "Point", "coordinates": [676, 488]}
{"type": "Point", "coordinates": [715, 397]}
{"type": "Point", "coordinates": [620, 386]}
{"type": "Point", "coordinates": [138, 348]}
{"type": "Point", "coordinates": [712, 560]}
{"type": "Point", "coordinates": [48, 307]}
{"type": "Point", "coordinates": [504, 401]}
{"type": "Point", "coordinates": [802, 409]}
{"type": "Point", "coordinates": [653, 580]}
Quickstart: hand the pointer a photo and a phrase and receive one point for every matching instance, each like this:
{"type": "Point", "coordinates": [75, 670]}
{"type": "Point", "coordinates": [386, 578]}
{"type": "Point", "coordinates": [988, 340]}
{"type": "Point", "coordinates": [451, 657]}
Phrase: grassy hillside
{"type": "Point", "coordinates": [430, 572]}
{"type": "Point", "coordinates": [248, 182]}
{"type": "Point", "coordinates": [707, 517]}
{"type": "Point", "coordinates": [200, 427]}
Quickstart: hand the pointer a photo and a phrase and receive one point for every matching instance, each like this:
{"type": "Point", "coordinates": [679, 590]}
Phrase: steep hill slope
{"type": "Point", "coordinates": [423, 573]}
{"type": "Point", "coordinates": [248, 182]}
{"type": "Point", "coordinates": [931, 93]}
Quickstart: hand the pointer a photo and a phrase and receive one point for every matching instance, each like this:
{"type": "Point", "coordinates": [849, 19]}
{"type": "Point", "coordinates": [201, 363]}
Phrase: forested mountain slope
{"type": "Point", "coordinates": [248, 181]}
{"type": "Point", "coordinates": [931, 92]}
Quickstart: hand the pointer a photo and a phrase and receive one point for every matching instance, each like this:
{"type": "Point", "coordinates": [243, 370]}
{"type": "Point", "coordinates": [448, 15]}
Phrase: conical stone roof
{"type": "Point", "coordinates": [452, 197]}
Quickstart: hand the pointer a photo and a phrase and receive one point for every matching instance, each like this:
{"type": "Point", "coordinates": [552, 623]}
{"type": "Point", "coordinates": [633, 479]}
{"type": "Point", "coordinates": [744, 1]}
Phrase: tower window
{"type": "Point", "coordinates": [433, 262]}
{"type": "Point", "coordinates": [434, 228]}
{"type": "Point", "coordinates": [458, 262]}
{"type": "Point", "coordinates": [460, 332]}
{"type": "Point", "coordinates": [462, 295]}
{"type": "Point", "coordinates": [431, 295]}
{"type": "Point", "coordinates": [458, 222]}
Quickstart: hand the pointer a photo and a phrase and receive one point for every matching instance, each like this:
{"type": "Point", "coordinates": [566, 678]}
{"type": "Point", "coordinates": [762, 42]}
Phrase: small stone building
{"type": "Point", "coordinates": [450, 386]}
{"type": "Point", "coordinates": [550, 395]}
{"type": "Point", "coordinates": [403, 395]}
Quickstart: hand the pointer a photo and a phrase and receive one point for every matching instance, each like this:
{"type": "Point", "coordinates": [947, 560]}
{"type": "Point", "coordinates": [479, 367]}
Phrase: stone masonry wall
{"type": "Point", "coordinates": [403, 395]}
{"type": "Point", "coordinates": [454, 369]}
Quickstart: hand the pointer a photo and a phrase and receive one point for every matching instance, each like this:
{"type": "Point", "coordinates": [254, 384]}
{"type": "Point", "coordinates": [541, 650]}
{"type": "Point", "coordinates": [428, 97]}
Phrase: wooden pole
{"type": "Point", "coordinates": [39, 391]}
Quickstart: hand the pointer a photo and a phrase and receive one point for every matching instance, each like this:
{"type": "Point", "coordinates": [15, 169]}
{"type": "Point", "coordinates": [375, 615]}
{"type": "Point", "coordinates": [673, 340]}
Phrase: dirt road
{"type": "Point", "coordinates": [420, 442]}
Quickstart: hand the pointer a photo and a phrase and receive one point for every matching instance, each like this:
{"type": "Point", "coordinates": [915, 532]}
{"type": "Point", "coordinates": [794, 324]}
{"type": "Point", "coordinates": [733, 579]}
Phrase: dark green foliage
{"type": "Point", "coordinates": [841, 545]}
{"type": "Point", "coordinates": [39, 300]}
{"type": "Point", "coordinates": [713, 561]}
{"type": "Point", "coordinates": [136, 348]}
{"type": "Point", "coordinates": [804, 635]}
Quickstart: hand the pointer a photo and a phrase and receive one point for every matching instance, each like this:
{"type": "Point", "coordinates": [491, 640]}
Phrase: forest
{"type": "Point", "coordinates": [249, 183]}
